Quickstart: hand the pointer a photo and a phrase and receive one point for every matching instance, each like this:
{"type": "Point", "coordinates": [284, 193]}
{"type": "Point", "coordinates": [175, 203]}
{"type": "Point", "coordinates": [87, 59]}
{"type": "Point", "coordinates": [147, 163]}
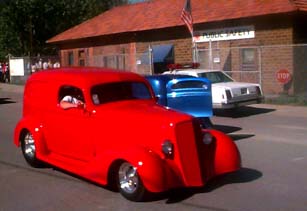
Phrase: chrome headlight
{"type": "Point", "coordinates": [207, 138]}
{"type": "Point", "coordinates": [167, 148]}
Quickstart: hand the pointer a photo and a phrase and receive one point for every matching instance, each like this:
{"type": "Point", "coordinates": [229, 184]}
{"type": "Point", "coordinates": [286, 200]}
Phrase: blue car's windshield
{"type": "Point", "coordinates": [216, 77]}
{"type": "Point", "coordinates": [119, 91]}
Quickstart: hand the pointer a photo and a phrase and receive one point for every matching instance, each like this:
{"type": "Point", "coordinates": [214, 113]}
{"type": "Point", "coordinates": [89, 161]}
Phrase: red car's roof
{"type": "Point", "coordinates": [84, 76]}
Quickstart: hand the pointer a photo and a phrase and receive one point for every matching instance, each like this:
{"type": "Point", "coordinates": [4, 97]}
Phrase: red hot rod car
{"type": "Point", "coordinates": [119, 135]}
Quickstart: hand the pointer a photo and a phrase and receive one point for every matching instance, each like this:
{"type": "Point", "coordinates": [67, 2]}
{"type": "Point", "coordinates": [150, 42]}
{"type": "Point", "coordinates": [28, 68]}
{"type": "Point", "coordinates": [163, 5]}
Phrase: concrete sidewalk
{"type": "Point", "coordinates": [11, 87]}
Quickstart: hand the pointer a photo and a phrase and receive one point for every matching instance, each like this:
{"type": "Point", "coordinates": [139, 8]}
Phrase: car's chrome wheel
{"type": "Point", "coordinates": [29, 146]}
{"type": "Point", "coordinates": [129, 182]}
{"type": "Point", "coordinates": [128, 178]}
{"type": "Point", "coordinates": [29, 150]}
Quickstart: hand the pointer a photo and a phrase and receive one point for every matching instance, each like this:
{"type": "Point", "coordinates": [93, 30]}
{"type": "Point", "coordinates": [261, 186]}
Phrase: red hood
{"type": "Point", "coordinates": [140, 111]}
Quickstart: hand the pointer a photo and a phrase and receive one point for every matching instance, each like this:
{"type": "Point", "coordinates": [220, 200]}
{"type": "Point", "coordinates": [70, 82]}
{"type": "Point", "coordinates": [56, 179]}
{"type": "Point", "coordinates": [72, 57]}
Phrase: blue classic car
{"type": "Point", "coordinates": [185, 93]}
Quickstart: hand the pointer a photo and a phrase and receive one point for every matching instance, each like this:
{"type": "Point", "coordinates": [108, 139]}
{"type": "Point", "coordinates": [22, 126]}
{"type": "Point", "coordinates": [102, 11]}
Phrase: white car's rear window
{"type": "Point", "coordinates": [216, 77]}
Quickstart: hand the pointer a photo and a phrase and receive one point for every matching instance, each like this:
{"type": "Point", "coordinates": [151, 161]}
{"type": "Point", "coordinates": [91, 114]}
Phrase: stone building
{"type": "Point", "coordinates": [251, 40]}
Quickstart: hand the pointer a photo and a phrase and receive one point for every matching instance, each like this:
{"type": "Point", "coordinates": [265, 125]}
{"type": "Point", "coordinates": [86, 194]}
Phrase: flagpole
{"type": "Point", "coordinates": [210, 54]}
{"type": "Point", "coordinates": [193, 49]}
{"type": "Point", "coordinates": [192, 34]}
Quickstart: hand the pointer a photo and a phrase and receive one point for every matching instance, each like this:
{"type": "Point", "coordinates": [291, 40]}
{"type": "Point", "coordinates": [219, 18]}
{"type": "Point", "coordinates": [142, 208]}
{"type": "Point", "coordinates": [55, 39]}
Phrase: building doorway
{"type": "Point", "coordinates": [162, 56]}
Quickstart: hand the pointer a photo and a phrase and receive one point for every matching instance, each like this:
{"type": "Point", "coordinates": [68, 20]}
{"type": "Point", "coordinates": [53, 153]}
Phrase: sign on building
{"type": "Point", "coordinates": [231, 33]}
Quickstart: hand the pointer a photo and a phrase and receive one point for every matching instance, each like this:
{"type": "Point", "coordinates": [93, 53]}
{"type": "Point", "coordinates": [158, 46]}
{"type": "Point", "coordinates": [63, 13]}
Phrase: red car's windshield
{"type": "Point", "coordinates": [111, 92]}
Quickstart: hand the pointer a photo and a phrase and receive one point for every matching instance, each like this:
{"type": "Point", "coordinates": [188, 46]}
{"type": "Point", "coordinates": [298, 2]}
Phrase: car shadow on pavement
{"type": "Point", "coordinates": [244, 111]}
{"type": "Point", "coordinates": [226, 128]}
{"type": "Point", "coordinates": [6, 101]}
{"type": "Point", "coordinates": [236, 137]}
{"type": "Point", "coordinates": [244, 175]}
{"type": "Point", "coordinates": [230, 129]}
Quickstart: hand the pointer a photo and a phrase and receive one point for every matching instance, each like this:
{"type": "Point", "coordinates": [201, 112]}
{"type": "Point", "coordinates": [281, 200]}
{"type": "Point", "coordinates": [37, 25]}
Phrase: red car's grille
{"type": "Point", "coordinates": [194, 156]}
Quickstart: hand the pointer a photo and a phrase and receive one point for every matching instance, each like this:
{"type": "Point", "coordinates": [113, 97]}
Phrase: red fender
{"type": "Point", "coordinates": [227, 157]}
{"type": "Point", "coordinates": [36, 130]}
{"type": "Point", "coordinates": [155, 172]}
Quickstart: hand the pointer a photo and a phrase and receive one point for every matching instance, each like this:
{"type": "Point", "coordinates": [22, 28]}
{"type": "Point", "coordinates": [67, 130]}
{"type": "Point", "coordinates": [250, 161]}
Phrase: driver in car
{"type": "Point", "coordinates": [69, 101]}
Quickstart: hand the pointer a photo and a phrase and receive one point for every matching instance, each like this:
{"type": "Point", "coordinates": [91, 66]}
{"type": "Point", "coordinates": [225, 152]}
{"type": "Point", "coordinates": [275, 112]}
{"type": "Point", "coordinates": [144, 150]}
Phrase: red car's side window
{"type": "Point", "coordinates": [70, 91]}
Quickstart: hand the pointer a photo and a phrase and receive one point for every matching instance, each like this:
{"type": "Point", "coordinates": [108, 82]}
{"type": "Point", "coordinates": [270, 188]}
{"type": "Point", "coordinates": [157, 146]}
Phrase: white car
{"type": "Point", "coordinates": [226, 93]}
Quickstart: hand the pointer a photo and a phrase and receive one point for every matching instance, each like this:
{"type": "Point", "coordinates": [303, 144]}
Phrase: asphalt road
{"type": "Point", "coordinates": [272, 141]}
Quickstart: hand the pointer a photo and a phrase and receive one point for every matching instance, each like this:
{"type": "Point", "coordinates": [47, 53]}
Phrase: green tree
{"type": "Point", "coordinates": [8, 37]}
{"type": "Point", "coordinates": [25, 25]}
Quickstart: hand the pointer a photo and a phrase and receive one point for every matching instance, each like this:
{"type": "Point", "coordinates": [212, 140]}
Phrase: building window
{"type": "Point", "coordinates": [248, 59]}
{"type": "Point", "coordinates": [81, 55]}
{"type": "Point", "coordinates": [248, 56]}
{"type": "Point", "coordinates": [105, 61]}
{"type": "Point", "coordinates": [70, 58]}
{"type": "Point", "coordinates": [81, 62]}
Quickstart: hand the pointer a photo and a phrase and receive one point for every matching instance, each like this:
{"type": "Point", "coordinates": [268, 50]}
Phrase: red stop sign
{"type": "Point", "coordinates": [283, 76]}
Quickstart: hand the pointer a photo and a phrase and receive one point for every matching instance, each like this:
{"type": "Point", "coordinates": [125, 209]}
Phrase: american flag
{"type": "Point", "coordinates": [186, 16]}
